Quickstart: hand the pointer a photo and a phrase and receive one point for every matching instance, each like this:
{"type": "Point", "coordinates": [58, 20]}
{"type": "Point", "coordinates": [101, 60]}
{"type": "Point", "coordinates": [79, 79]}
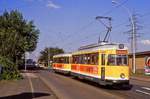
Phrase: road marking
{"type": "Point", "coordinates": [143, 92]}
{"type": "Point", "coordinates": [31, 75]}
{"type": "Point", "coordinates": [146, 88]}
{"type": "Point", "coordinates": [31, 85]}
{"type": "Point", "coordinates": [62, 95]}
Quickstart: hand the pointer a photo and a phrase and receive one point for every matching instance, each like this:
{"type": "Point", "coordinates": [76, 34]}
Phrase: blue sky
{"type": "Point", "coordinates": [70, 24]}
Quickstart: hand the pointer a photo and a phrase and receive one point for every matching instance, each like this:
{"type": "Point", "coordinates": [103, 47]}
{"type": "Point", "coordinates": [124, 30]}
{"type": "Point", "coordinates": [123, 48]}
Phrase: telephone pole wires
{"type": "Point", "coordinates": [133, 35]}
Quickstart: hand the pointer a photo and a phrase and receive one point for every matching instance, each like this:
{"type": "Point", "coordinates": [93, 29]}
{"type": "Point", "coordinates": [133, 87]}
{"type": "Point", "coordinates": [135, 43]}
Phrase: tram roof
{"type": "Point", "coordinates": [102, 46]}
{"type": "Point", "coordinates": [63, 55]}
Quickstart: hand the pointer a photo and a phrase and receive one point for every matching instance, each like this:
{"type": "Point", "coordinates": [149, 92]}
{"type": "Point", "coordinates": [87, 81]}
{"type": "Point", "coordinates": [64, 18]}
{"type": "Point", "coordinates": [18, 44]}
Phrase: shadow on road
{"type": "Point", "coordinates": [25, 96]}
{"type": "Point", "coordinates": [31, 70]}
{"type": "Point", "coordinates": [109, 87]}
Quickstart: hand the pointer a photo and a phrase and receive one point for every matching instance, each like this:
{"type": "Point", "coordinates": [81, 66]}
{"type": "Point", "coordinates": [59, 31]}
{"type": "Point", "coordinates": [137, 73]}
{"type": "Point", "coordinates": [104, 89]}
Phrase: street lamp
{"type": "Point", "coordinates": [133, 33]}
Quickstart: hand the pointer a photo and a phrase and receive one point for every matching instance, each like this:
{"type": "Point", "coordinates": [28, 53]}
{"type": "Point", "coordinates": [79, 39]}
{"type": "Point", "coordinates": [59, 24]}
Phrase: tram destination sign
{"type": "Point", "coordinates": [121, 52]}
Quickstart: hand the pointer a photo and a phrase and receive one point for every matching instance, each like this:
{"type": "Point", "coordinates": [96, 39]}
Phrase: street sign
{"type": "Point", "coordinates": [27, 55]}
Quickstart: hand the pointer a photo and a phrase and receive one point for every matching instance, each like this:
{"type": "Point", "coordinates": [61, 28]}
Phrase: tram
{"type": "Point", "coordinates": [103, 63]}
{"type": "Point", "coordinates": [62, 63]}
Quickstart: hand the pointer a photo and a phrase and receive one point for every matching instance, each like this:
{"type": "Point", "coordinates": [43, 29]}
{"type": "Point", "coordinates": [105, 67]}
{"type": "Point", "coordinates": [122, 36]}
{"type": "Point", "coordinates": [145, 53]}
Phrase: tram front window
{"type": "Point", "coordinates": [121, 60]}
{"type": "Point", "coordinates": [117, 60]}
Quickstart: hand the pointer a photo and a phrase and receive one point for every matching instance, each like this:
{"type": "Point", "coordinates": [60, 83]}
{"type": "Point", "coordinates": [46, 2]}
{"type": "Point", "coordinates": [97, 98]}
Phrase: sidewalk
{"type": "Point", "coordinates": [141, 78]}
{"type": "Point", "coordinates": [31, 87]}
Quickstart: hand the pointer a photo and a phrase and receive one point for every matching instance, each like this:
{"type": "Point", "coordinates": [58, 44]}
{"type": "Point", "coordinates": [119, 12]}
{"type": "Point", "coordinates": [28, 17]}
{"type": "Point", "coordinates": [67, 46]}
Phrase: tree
{"type": "Point", "coordinates": [17, 36]}
{"type": "Point", "coordinates": [52, 51]}
{"type": "Point", "coordinates": [9, 71]}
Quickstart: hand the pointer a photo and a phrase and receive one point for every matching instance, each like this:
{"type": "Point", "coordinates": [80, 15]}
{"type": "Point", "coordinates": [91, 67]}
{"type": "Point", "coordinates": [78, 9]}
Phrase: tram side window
{"type": "Point", "coordinates": [55, 60]}
{"type": "Point", "coordinates": [65, 60]}
{"type": "Point", "coordinates": [90, 59]}
{"type": "Point", "coordinates": [86, 59]}
{"type": "Point", "coordinates": [60, 60]}
{"type": "Point", "coordinates": [111, 60]}
{"type": "Point", "coordinates": [94, 59]}
{"type": "Point", "coordinates": [81, 60]}
{"type": "Point", "coordinates": [75, 59]}
{"type": "Point", "coordinates": [103, 59]}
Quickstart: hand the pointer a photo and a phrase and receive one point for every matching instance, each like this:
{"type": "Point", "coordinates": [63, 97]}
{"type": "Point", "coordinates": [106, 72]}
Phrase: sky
{"type": "Point", "coordinates": [69, 24]}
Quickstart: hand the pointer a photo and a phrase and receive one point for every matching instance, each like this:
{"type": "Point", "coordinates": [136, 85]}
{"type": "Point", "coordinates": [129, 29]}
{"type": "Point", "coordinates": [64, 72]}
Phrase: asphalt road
{"type": "Point", "coordinates": [66, 87]}
{"type": "Point", "coordinates": [31, 87]}
{"type": "Point", "coordinates": [38, 88]}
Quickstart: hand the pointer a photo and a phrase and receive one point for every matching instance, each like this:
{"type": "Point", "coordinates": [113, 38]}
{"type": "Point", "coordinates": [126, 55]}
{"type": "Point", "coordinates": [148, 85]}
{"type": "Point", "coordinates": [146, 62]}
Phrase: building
{"type": "Point", "coordinates": [140, 61]}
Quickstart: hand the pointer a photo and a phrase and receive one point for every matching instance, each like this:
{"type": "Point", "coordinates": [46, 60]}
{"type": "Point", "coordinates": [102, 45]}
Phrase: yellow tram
{"type": "Point", "coordinates": [104, 63]}
{"type": "Point", "coordinates": [62, 63]}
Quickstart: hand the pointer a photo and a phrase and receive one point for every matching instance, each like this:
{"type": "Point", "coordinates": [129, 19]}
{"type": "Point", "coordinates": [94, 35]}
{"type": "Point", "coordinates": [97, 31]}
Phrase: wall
{"type": "Point", "coordinates": [140, 63]}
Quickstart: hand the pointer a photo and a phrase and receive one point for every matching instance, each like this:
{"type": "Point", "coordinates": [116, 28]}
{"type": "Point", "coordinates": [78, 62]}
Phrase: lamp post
{"type": "Point", "coordinates": [26, 57]}
{"type": "Point", "coordinates": [133, 34]}
{"type": "Point", "coordinates": [48, 58]}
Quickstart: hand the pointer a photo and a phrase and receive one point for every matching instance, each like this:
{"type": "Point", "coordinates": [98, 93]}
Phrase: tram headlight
{"type": "Point", "coordinates": [122, 75]}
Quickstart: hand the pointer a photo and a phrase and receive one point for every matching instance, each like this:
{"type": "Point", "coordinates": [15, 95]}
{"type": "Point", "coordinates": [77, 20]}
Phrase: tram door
{"type": "Point", "coordinates": [103, 66]}
{"type": "Point", "coordinates": [103, 73]}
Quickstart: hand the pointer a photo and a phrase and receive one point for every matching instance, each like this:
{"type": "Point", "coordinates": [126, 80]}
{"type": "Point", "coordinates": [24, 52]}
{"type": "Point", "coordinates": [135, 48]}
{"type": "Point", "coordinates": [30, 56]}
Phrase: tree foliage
{"type": "Point", "coordinates": [17, 36]}
{"type": "Point", "coordinates": [9, 70]}
{"type": "Point", "coordinates": [52, 51]}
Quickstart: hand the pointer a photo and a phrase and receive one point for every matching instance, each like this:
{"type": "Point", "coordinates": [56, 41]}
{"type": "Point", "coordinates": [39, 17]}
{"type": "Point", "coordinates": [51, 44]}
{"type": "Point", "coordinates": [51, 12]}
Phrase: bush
{"type": "Point", "coordinates": [9, 70]}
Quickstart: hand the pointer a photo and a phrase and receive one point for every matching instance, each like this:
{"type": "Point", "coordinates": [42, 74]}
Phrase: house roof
{"type": "Point", "coordinates": [141, 53]}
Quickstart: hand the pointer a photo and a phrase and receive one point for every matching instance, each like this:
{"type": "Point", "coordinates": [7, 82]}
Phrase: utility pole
{"type": "Point", "coordinates": [48, 56]}
{"type": "Point", "coordinates": [133, 36]}
{"type": "Point", "coordinates": [25, 68]}
{"type": "Point", "coordinates": [133, 43]}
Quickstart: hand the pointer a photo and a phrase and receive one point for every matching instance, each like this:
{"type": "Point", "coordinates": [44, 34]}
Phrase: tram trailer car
{"type": "Point", "coordinates": [103, 63]}
{"type": "Point", "coordinates": [62, 63]}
